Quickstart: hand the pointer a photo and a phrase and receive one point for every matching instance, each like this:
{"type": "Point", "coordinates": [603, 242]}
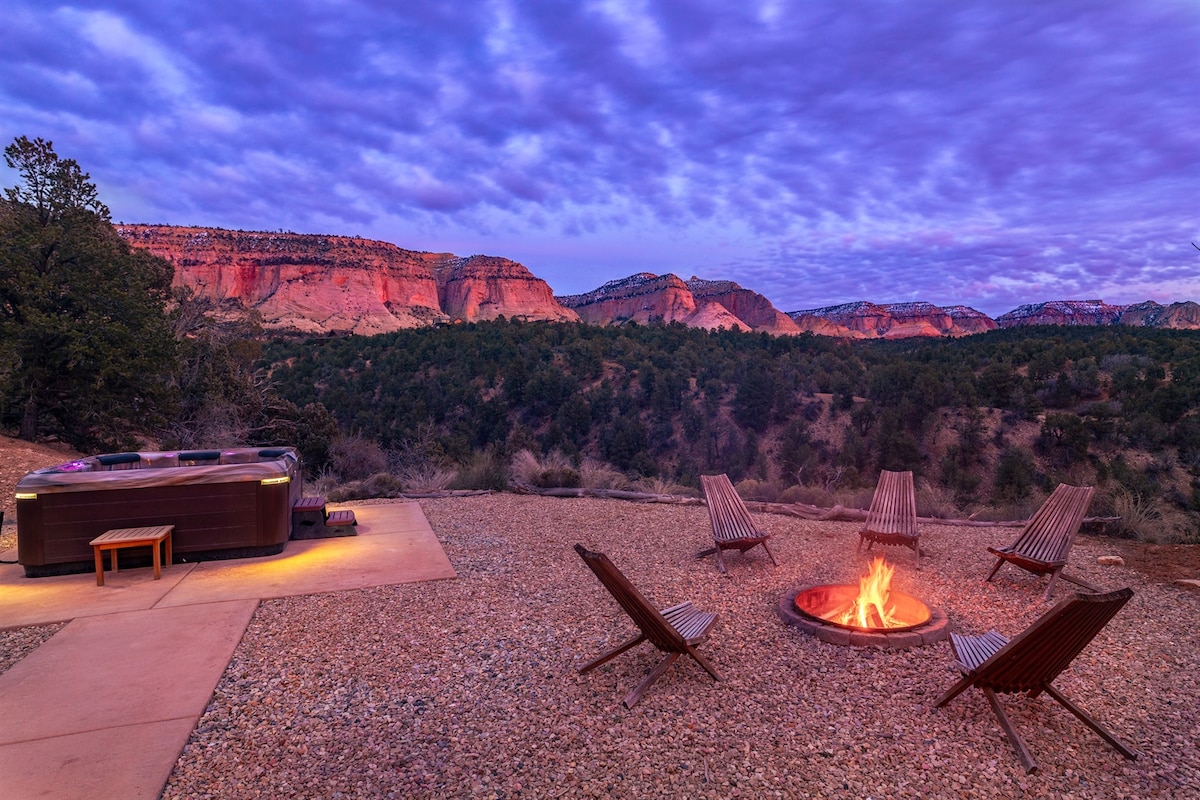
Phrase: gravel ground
{"type": "Point", "coordinates": [467, 687]}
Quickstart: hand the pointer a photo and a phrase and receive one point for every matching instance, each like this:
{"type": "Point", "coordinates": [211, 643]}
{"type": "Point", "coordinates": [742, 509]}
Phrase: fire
{"type": "Point", "coordinates": [872, 608]}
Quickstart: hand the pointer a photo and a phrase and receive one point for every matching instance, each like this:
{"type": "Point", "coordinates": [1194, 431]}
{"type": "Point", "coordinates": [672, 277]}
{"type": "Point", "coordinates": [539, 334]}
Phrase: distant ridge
{"type": "Point", "coordinates": [866, 320]}
{"type": "Point", "coordinates": [316, 284]}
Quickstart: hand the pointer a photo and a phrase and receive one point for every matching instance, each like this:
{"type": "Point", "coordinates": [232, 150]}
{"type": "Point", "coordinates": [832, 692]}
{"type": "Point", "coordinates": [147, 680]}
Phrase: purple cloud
{"type": "Point", "coordinates": [988, 153]}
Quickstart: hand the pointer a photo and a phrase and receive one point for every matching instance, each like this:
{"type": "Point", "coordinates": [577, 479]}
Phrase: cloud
{"type": "Point", "coordinates": [837, 151]}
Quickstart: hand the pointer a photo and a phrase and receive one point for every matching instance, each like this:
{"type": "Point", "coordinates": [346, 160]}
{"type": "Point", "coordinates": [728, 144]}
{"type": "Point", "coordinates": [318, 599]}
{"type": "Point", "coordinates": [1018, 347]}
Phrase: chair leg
{"type": "Point", "coordinates": [702, 661]}
{"type": "Point", "coordinates": [1086, 719]}
{"type": "Point", "coordinates": [720, 561]}
{"type": "Point", "coordinates": [770, 555]}
{"type": "Point", "coordinates": [1080, 582]}
{"type": "Point", "coordinates": [954, 691]}
{"type": "Point", "coordinates": [995, 569]}
{"type": "Point", "coordinates": [1050, 585]}
{"type": "Point", "coordinates": [648, 681]}
{"type": "Point", "coordinates": [1017, 742]}
{"type": "Point", "coordinates": [611, 654]}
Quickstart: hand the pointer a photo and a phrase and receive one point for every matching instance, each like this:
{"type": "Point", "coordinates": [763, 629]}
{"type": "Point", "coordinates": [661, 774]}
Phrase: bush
{"type": "Point", "coordinates": [854, 498]}
{"type": "Point", "coordinates": [553, 471]}
{"type": "Point", "coordinates": [353, 458]}
{"type": "Point", "coordinates": [382, 484]}
{"type": "Point", "coordinates": [427, 480]}
{"type": "Point", "coordinates": [661, 486]}
{"type": "Point", "coordinates": [595, 474]}
{"type": "Point", "coordinates": [1147, 519]}
{"type": "Point", "coordinates": [485, 470]}
{"type": "Point", "coordinates": [935, 501]}
{"type": "Point", "coordinates": [808, 495]}
{"type": "Point", "coordinates": [762, 491]}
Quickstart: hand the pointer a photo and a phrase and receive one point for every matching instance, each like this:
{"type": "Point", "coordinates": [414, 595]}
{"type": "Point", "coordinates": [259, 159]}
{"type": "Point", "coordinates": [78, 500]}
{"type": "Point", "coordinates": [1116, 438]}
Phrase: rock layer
{"type": "Point", "coordinates": [319, 284]}
{"type": "Point", "coordinates": [864, 320]}
{"type": "Point", "coordinates": [486, 287]}
{"type": "Point", "coordinates": [751, 308]}
{"type": "Point", "coordinates": [1179, 316]}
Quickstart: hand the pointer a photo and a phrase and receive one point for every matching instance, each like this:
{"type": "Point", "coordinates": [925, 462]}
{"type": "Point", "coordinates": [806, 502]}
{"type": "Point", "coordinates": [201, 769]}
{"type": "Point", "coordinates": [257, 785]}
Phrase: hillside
{"type": "Point", "coordinates": [314, 284]}
{"type": "Point", "coordinates": [18, 457]}
{"type": "Point", "coordinates": [989, 420]}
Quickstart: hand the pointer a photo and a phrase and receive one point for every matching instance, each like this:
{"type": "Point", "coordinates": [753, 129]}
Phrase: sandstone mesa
{"type": "Point", "coordinates": [316, 284]}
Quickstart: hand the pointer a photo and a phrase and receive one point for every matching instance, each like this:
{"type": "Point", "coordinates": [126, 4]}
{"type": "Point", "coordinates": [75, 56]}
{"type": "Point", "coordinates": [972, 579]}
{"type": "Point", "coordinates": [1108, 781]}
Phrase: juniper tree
{"type": "Point", "coordinates": [86, 353]}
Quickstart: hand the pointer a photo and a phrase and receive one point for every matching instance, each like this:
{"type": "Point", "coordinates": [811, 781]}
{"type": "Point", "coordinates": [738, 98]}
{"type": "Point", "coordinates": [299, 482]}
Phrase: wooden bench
{"type": "Point", "coordinates": [119, 538]}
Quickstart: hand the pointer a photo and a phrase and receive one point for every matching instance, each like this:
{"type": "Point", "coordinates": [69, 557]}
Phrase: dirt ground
{"type": "Point", "coordinates": [17, 458]}
{"type": "Point", "coordinates": [1164, 563]}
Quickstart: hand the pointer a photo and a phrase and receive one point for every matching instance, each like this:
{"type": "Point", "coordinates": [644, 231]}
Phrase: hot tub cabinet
{"type": "Point", "coordinates": [223, 504]}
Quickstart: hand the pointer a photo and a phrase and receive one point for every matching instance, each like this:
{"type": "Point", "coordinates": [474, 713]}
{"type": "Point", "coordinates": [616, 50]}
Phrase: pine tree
{"type": "Point", "coordinates": [86, 353]}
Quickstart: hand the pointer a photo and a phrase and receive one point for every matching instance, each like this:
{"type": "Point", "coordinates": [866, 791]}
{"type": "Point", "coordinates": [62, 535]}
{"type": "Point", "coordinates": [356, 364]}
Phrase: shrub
{"type": "Point", "coordinates": [762, 491]}
{"type": "Point", "coordinates": [854, 498]}
{"type": "Point", "coordinates": [661, 486]}
{"type": "Point", "coordinates": [382, 484]}
{"type": "Point", "coordinates": [427, 479]}
{"type": "Point", "coordinates": [595, 474]}
{"type": "Point", "coordinates": [808, 495]}
{"type": "Point", "coordinates": [1147, 519]}
{"type": "Point", "coordinates": [555, 470]}
{"type": "Point", "coordinates": [485, 470]}
{"type": "Point", "coordinates": [935, 501]}
{"type": "Point", "coordinates": [353, 458]}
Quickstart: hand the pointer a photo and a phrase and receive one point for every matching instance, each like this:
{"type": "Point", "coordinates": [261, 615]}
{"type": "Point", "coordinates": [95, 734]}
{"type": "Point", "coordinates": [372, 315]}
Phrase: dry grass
{"type": "Point", "coordinates": [1147, 519]}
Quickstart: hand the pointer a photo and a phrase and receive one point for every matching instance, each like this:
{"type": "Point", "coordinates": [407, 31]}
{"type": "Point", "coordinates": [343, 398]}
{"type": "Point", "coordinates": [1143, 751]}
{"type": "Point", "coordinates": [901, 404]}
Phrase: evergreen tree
{"type": "Point", "coordinates": [86, 352]}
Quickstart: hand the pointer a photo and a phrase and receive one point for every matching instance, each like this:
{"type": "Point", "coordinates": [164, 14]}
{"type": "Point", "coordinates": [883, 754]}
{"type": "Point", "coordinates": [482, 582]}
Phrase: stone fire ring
{"type": "Point", "coordinates": [935, 630]}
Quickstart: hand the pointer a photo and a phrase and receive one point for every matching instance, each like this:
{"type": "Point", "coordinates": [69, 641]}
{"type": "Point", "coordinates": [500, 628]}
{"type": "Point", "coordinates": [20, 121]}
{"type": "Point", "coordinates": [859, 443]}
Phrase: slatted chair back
{"type": "Point", "coordinates": [731, 520]}
{"type": "Point", "coordinates": [644, 615]}
{"type": "Point", "coordinates": [1050, 532]}
{"type": "Point", "coordinates": [894, 505]}
{"type": "Point", "coordinates": [1033, 659]}
{"type": "Point", "coordinates": [1036, 656]}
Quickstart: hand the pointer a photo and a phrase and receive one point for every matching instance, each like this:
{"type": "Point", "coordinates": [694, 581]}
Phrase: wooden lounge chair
{"type": "Point", "coordinates": [674, 630]}
{"type": "Point", "coordinates": [1034, 658]}
{"type": "Point", "coordinates": [1045, 541]}
{"type": "Point", "coordinates": [732, 527]}
{"type": "Point", "coordinates": [892, 519]}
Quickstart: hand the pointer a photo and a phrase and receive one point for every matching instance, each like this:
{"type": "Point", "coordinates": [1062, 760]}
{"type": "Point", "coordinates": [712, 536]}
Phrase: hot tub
{"type": "Point", "coordinates": [228, 503]}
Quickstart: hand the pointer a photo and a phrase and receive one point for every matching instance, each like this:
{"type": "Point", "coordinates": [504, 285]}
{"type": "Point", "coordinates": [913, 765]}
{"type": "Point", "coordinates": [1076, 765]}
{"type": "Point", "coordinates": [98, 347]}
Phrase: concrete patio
{"type": "Point", "coordinates": [104, 708]}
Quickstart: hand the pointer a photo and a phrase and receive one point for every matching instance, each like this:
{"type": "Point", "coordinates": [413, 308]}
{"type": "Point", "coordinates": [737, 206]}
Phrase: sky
{"type": "Point", "coordinates": [989, 153]}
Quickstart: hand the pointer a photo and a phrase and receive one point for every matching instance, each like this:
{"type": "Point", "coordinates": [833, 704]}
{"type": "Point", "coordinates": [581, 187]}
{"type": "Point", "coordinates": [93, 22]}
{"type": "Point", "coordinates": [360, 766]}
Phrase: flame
{"type": "Point", "coordinates": [871, 608]}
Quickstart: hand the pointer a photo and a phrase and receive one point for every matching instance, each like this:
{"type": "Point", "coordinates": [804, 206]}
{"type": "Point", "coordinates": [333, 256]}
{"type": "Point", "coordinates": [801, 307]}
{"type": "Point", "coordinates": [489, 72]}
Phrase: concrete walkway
{"type": "Point", "coordinates": [104, 708]}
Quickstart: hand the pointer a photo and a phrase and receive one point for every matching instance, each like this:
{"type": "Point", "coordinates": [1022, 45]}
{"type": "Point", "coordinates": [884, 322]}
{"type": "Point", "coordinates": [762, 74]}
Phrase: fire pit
{"type": "Point", "coordinates": [870, 614]}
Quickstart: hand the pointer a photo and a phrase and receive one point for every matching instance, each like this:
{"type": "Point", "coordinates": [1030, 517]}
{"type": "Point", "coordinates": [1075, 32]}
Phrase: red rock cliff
{"type": "Point", "coordinates": [750, 308]}
{"type": "Point", "coordinates": [318, 284]}
{"type": "Point", "coordinates": [486, 287]}
{"type": "Point", "coordinates": [864, 320]}
{"type": "Point", "coordinates": [648, 298]}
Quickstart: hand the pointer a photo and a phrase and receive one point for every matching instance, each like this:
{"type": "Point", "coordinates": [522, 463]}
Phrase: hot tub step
{"type": "Point", "coordinates": [340, 523]}
{"type": "Point", "coordinates": [307, 512]}
{"type": "Point", "coordinates": [310, 520]}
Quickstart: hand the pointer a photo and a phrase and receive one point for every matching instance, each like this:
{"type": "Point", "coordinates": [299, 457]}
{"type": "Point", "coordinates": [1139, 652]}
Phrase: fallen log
{"type": "Point", "coordinates": [838, 513]}
{"type": "Point", "coordinates": [611, 494]}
